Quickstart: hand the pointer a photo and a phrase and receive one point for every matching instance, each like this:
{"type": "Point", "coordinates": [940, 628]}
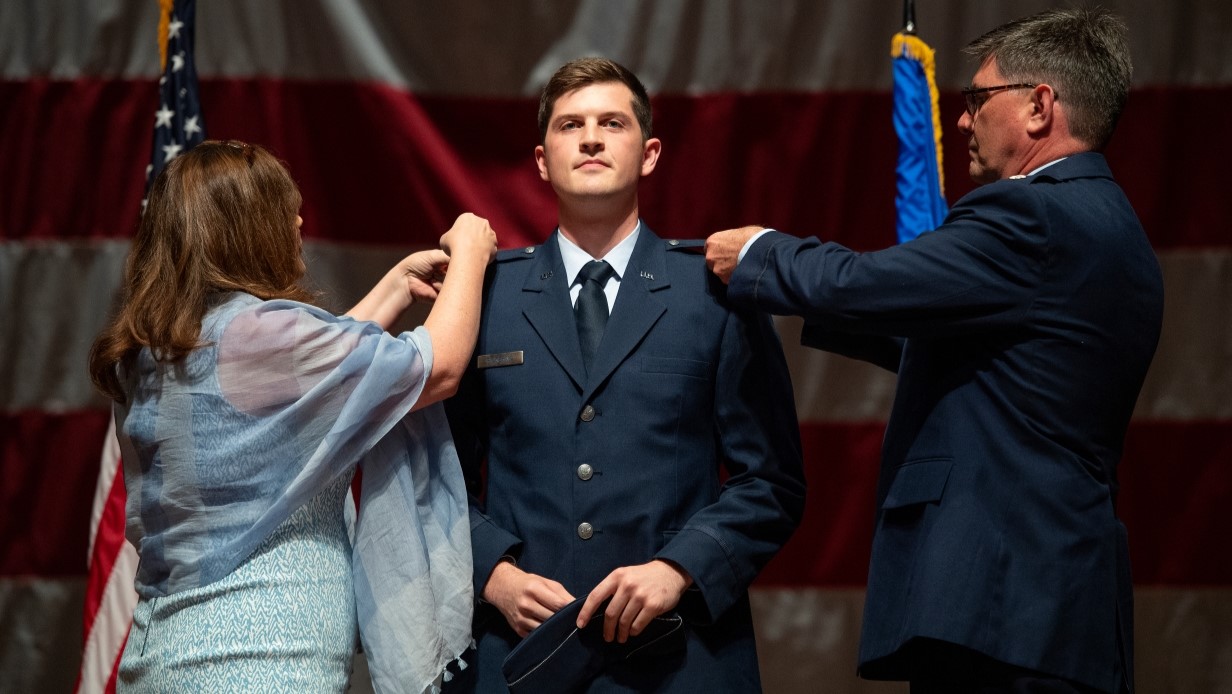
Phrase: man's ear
{"type": "Point", "coordinates": [541, 160]}
{"type": "Point", "coordinates": [650, 155]}
{"type": "Point", "coordinates": [1043, 110]}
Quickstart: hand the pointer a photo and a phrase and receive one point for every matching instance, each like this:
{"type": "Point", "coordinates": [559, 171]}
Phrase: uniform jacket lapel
{"type": "Point", "coordinates": [637, 310]}
{"type": "Point", "coordinates": [547, 307]}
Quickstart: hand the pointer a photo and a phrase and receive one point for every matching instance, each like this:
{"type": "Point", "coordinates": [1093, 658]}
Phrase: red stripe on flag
{"type": "Point", "coordinates": [1176, 489]}
{"type": "Point", "coordinates": [371, 158]}
{"type": "Point", "coordinates": [46, 490]}
{"type": "Point", "coordinates": [831, 546]}
{"type": "Point", "coordinates": [107, 543]}
{"type": "Point", "coordinates": [1176, 485]}
{"type": "Point", "coordinates": [102, 127]}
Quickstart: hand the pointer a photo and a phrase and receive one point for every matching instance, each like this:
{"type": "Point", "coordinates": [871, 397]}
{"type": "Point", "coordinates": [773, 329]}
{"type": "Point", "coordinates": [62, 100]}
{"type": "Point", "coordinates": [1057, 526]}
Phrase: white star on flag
{"type": "Point", "coordinates": [190, 126]}
{"type": "Point", "coordinates": [177, 62]}
{"type": "Point", "coordinates": [171, 151]}
{"type": "Point", "coordinates": [173, 29]}
{"type": "Point", "coordinates": [162, 117]}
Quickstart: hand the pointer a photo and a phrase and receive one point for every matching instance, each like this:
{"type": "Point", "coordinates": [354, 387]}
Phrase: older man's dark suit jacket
{"type": "Point", "coordinates": [683, 392]}
{"type": "Point", "coordinates": [1030, 318]}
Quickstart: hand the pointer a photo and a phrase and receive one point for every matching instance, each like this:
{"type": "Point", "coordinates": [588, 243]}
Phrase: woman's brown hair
{"type": "Point", "coordinates": [219, 218]}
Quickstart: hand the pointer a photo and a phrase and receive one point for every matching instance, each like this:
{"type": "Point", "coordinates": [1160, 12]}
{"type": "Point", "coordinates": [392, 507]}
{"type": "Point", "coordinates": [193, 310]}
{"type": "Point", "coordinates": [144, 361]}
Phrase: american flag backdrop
{"type": "Point", "coordinates": [111, 559]}
{"type": "Point", "coordinates": [395, 116]}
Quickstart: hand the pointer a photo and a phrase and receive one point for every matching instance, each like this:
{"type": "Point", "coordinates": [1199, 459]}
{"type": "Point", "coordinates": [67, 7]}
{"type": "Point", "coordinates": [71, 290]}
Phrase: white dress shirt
{"type": "Point", "coordinates": [574, 258]}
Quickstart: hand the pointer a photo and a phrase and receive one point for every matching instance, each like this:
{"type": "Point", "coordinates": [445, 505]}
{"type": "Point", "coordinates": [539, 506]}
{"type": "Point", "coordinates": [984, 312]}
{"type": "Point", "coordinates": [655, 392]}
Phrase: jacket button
{"type": "Point", "coordinates": [585, 531]}
{"type": "Point", "coordinates": [588, 413]}
{"type": "Point", "coordinates": [585, 471]}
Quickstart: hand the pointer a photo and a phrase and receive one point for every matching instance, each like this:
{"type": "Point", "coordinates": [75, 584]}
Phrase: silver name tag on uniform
{"type": "Point", "coordinates": [488, 361]}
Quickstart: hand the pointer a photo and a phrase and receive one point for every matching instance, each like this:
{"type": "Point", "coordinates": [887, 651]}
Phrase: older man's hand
{"type": "Point", "coordinates": [723, 250]}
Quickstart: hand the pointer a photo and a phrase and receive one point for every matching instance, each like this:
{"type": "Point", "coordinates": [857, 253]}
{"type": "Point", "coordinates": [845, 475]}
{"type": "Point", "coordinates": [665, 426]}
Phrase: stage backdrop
{"type": "Point", "coordinates": [395, 116]}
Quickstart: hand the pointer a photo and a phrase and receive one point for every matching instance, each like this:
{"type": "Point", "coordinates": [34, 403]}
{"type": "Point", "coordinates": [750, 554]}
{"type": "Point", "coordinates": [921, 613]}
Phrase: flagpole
{"type": "Point", "coordinates": [909, 17]}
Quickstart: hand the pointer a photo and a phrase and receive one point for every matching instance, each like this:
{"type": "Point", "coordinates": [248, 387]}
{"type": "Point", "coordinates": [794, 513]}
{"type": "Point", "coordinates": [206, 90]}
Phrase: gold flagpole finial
{"type": "Point", "coordinates": [164, 23]}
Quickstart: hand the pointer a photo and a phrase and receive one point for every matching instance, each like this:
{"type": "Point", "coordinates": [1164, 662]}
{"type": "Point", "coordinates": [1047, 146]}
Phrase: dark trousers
{"type": "Point", "coordinates": [937, 667]}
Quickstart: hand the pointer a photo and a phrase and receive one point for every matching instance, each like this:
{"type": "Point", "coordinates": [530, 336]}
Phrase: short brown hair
{"type": "Point", "coordinates": [1082, 53]}
{"type": "Point", "coordinates": [219, 218]}
{"type": "Point", "coordinates": [583, 72]}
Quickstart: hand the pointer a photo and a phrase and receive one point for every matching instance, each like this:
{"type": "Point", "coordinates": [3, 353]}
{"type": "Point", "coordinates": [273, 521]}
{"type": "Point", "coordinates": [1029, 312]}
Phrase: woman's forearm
{"type": "Point", "coordinates": [453, 324]}
{"type": "Point", "coordinates": [385, 302]}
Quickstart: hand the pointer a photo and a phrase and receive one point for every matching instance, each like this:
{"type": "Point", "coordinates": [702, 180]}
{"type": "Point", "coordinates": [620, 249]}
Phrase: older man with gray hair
{"type": "Point", "coordinates": [1021, 331]}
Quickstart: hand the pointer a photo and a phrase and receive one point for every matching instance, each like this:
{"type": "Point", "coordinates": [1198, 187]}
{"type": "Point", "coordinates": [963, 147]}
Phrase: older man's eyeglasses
{"type": "Point", "coordinates": [976, 97]}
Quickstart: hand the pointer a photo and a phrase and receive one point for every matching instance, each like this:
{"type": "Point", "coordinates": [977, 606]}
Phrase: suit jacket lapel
{"type": "Point", "coordinates": [637, 309]}
{"type": "Point", "coordinates": [550, 312]}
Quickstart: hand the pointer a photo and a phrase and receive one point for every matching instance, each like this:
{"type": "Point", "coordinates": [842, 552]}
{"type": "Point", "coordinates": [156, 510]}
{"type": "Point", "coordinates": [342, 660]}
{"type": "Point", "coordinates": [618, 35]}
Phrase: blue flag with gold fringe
{"type": "Point", "coordinates": [920, 195]}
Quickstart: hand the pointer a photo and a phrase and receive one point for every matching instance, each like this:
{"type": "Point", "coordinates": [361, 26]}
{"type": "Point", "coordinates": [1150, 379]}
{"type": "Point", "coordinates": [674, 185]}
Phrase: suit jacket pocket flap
{"type": "Point", "coordinates": [918, 482]}
{"type": "Point", "coordinates": [674, 365]}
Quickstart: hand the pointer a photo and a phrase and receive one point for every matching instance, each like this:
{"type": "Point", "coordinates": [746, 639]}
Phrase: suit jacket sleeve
{"type": "Point", "coordinates": [980, 269]}
{"type": "Point", "coordinates": [883, 351]}
{"type": "Point", "coordinates": [724, 545]}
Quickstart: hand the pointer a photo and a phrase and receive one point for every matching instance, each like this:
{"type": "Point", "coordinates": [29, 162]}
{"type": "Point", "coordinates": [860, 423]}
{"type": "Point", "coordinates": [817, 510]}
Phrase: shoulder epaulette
{"type": "Point", "coordinates": [686, 245]}
{"type": "Point", "coordinates": [516, 253]}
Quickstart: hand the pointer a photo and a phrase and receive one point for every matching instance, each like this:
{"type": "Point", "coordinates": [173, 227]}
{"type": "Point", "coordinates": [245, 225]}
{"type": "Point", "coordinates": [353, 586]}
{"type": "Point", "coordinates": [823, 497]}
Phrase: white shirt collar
{"type": "Point", "coordinates": [1047, 165]}
{"type": "Point", "coordinates": [574, 257]}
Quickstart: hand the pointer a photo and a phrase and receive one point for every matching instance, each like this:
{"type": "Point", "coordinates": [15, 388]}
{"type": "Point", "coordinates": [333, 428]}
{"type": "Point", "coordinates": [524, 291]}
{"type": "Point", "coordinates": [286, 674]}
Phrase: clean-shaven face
{"type": "Point", "coordinates": [593, 146]}
{"type": "Point", "coordinates": [997, 130]}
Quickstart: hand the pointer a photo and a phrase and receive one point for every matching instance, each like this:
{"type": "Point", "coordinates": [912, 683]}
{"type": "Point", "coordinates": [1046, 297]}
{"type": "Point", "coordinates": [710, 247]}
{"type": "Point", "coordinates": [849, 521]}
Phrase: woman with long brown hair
{"type": "Point", "coordinates": [242, 411]}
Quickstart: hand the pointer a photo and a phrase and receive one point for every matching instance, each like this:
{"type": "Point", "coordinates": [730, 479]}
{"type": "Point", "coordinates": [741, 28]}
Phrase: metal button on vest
{"type": "Point", "coordinates": [588, 413]}
{"type": "Point", "coordinates": [585, 471]}
{"type": "Point", "coordinates": [585, 531]}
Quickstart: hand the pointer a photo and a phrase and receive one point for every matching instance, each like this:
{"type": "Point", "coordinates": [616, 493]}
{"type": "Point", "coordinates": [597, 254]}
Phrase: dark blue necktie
{"type": "Point", "coordinates": [591, 307]}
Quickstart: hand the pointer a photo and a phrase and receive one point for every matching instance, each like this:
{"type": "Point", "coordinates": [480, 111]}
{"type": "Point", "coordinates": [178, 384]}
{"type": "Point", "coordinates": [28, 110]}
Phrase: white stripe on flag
{"type": "Point", "coordinates": [111, 623]}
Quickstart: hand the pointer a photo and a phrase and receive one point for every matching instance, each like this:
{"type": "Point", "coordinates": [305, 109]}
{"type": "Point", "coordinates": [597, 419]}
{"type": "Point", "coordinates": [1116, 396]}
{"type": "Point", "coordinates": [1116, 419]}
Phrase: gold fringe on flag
{"type": "Point", "coordinates": [164, 23]}
{"type": "Point", "coordinates": [908, 46]}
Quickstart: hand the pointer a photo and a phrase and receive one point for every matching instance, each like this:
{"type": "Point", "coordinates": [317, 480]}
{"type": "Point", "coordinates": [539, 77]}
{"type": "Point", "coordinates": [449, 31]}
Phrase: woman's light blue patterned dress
{"type": "Point", "coordinates": [284, 621]}
{"type": "Point", "coordinates": [236, 464]}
